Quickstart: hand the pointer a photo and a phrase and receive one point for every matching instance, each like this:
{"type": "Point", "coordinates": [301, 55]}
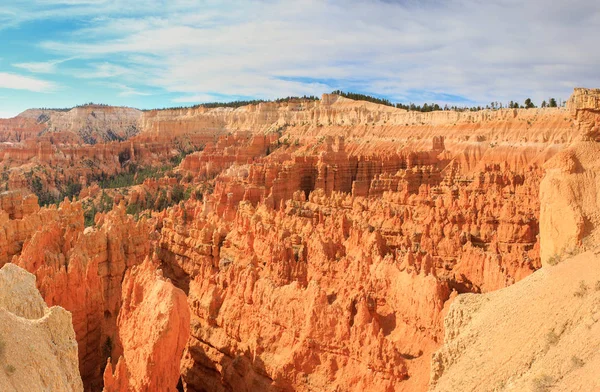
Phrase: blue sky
{"type": "Point", "coordinates": [146, 54]}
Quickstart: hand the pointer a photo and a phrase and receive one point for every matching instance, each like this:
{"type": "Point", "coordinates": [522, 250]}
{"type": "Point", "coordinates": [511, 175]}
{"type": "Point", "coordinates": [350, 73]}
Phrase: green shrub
{"type": "Point", "coordinates": [89, 216]}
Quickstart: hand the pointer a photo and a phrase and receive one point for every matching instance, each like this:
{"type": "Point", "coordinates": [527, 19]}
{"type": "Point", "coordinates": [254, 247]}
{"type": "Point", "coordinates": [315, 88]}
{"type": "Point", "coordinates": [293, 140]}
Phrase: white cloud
{"type": "Point", "coordinates": [128, 92]}
{"type": "Point", "coordinates": [45, 67]}
{"type": "Point", "coordinates": [485, 51]}
{"type": "Point", "coordinates": [100, 71]}
{"type": "Point", "coordinates": [125, 91]}
{"type": "Point", "coordinates": [18, 82]}
{"type": "Point", "coordinates": [198, 98]}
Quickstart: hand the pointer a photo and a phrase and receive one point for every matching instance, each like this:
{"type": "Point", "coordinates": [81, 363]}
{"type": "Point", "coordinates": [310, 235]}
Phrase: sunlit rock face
{"type": "Point", "coordinates": [38, 350]}
{"type": "Point", "coordinates": [302, 245]}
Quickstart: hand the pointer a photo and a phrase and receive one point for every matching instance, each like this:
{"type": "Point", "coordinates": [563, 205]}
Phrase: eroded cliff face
{"type": "Point", "coordinates": [497, 341]}
{"type": "Point", "coordinates": [82, 271]}
{"type": "Point", "coordinates": [90, 123]}
{"type": "Point", "coordinates": [153, 325]}
{"type": "Point", "coordinates": [20, 217]}
{"type": "Point", "coordinates": [297, 262]}
{"type": "Point", "coordinates": [319, 243]}
{"type": "Point", "coordinates": [570, 191]}
{"type": "Point", "coordinates": [38, 350]}
{"type": "Point", "coordinates": [570, 197]}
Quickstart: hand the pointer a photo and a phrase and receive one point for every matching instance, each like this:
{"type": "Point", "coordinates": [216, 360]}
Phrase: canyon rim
{"type": "Point", "coordinates": [282, 201]}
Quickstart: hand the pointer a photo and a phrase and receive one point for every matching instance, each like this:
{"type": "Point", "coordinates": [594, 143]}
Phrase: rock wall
{"type": "Point", "coordinates": [153, 325]}
{"type": "Point", "coordinates": [570, 191]}
{"type": "Point", "coordinates": [20, 217]}
{"type": "Point", "coordinates": [570, 199]}
{"type": "Point", "coordinates": [38, 350]}
{"type": "Point", "coordinates": [82, 271]}
{"type": "Point", "coordinates": [90, 124]}
{"type": "Point", "coordinates": [498, 341]}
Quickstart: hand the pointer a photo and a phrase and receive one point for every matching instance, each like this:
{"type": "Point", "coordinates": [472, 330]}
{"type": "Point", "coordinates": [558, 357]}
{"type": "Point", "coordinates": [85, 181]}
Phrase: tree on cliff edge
{"type": "Point", "coordinates": [529, 104]}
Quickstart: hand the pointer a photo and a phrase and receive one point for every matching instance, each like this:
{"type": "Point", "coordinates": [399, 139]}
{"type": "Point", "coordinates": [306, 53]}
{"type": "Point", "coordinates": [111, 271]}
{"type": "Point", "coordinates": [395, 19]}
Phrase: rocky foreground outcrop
{"type": "Point", "coordinates": [541, 334]}
{"type": "Point", "coordinates": [38, 350]}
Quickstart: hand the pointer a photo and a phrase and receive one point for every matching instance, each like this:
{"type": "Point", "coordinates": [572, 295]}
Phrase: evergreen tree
{"type": "Point", "coordinates": [529, 104]}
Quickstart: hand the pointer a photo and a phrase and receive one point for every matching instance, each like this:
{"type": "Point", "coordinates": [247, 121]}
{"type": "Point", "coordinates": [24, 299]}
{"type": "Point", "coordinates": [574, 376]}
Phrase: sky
{"type": "Point", "coordinates": [163, 53]}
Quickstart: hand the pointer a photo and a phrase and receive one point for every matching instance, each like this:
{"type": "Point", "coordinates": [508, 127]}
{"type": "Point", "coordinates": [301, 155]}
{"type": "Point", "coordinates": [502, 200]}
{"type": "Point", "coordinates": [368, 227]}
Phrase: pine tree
{"type": "Point", "coordinates": [529, 104]}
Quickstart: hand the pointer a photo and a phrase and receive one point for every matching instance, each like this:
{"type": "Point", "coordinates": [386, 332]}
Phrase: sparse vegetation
{"type": "Point", "coordinates": [432, 107]}
{"type": "Point", "coordinates": [89, 216]}
{"type": "Point", "coordinates": [582, 290]}
{"type": "Point", "coordinates": [529, 104]}
{"type": "Point", "coordinates": [133, 176]}
{"type": "Point", "coordinates": [577, 362]}
{"type": "Point", "coordinates": [363, 97]}
{"type": "Point", "coordinates": [10, 369]}
{"type": "Point", "coordinates": [552, 338]}
{"type": "Point", "coordinates": [554, 259]}
{"type": "Point", "coordinates": [542, 383]}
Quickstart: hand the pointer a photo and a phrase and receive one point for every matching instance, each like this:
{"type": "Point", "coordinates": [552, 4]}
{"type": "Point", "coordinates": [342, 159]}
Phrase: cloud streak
{"type": "Point", "coordinates": [19, 82]}
{"type": "Point", "coordinates": [43, 67]}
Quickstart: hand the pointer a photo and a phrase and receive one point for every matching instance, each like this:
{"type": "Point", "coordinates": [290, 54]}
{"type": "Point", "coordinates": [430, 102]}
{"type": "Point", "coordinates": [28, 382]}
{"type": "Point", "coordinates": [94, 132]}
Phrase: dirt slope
{"type": "Point", "coordinates": [540, 334]}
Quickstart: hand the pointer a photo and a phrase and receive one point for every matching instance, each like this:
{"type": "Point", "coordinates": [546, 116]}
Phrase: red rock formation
{"type": "Point", "coordinates": [288, 272]}
{"type": "Point", "coordinates": [19, 128]}
{"type": "Point", "coordinates": [153, 325]}
{"type": "Point", "coordinates": [82, 271]}
{"type": "Point", "coordinates": [20, 217]}
{"type": "Point", "coordinates": [327, 245]}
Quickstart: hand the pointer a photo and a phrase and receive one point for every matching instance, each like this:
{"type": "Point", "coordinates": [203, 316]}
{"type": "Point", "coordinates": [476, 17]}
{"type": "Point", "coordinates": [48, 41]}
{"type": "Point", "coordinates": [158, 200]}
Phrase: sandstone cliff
{"type": "Point", "coordinates": [570, 200]}
{"type": "Point", "coordinates": [154, 325]}
{"type": "Point", "coordinates": [38, 350]}
{"type": "Point", "coordinates": [90, 124]}
{"type": "Point", "coordinates": [82, 270]}
{"type": "Point", "coordinates": [550, 341]}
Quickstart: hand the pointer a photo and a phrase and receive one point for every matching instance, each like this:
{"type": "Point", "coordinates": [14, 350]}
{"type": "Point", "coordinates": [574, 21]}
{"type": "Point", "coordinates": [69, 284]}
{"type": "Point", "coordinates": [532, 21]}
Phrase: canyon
{"type": "Point", "coordinates": [307, 245]}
